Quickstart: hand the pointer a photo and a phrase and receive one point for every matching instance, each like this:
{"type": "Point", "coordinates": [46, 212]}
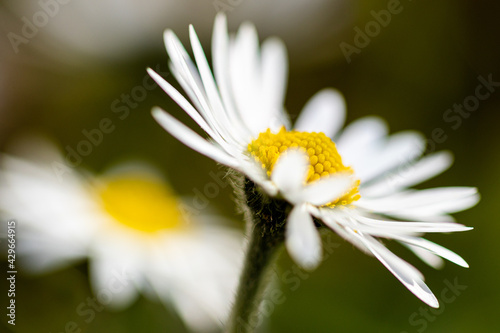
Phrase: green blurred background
{"type": "Point", "coordinates": [68, 76]}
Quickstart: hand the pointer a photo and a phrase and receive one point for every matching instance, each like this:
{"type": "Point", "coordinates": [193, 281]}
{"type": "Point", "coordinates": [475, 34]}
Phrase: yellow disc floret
{"type": "Point", "coordinates": [324, 159]}
{"type": "Point", "coordinates": [141, 202]}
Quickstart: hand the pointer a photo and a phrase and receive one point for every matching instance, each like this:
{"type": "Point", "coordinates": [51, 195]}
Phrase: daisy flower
{"type": "Point", "coordinates": [130, 226]}
{"type": "Point", "coordinates": [354, 181]}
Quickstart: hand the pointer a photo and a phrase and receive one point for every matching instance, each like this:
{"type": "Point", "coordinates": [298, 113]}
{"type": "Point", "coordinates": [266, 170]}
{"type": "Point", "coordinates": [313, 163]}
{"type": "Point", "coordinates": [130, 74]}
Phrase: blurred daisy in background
{"type": "Point", "coordinates": [130, 226]}
{"type": "Point", "coordinates": [344, 185]}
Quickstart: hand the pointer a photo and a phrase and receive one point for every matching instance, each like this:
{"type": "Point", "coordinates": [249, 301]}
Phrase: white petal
{"type": "Point", "coordinates": [327, 190]}
{"type": "Point", "coordinates": [220, 56]}
{"type": "Point", "coordinates": [42, 253]}
{"type": "Point", "coordinates": [191, 139]}
{"type": "Point", "coordinates": [211, 90]}
{"type": "Point", "coordinates": [274, 75]}
{"type": "Point", "coordinates": [324, 112]}
{"type": "Point", "coordinates": [194, 314]}
{"type": "Point", "coordinates": [416, 215]}
{"type": "Point", "coordinates": [302, 238]}
{"type": "Point", "coordinates": [112, 274]}
{"type": "Point", "coordinates": [183, 63]}
{"type": "Point", "coordinates": [182, 102]}
{"type": "Point", "coordinates": [441, 207]}
{"type": "Point", "coordinates": [245, 78]}
{"type": "Point", "coordinates": [192, 81]}
{"type": "Point", "coordinates": [226, 140]}
{"type": "Point", "coordinates": [433, 248]}
{"type": "Point", "coordinates": [338, 223]}
{"type": "Point", "coordinates": [186, 69]}
{"type": "Point", "coordinates": [407, 238]}
{"type": "Point", "coordinates": [55, 203]}
{"type": "Point", "coordinates": [258, 175]}
{"type": "Point", "coordinates": [400, 150]}
{"type": "Point", "coordinates": [206, 74]}
{"type": "Point", "coordinates": [410, 277]}
{"type": "Point", "coordinates": [374, 226]}
{"type": "Point", "coordinates": [435, 200]}
{"type": "Point", "coordinates": [289, 174]}
{"type": "Point", "coordinates": [428, 257]}
{"type": "Point", "coordinates": [184, 84]}
{"type": "Point", "coordinates": [210, 252]}
{"type": "Point", "coordinates": [410, 174]}
{"type": "Point", "coordinates": [358, 137]}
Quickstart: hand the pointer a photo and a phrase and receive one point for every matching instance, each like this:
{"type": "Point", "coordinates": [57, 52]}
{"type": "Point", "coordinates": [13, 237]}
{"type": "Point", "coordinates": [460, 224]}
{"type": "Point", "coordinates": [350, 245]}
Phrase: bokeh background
{"type": "Point", "coordinates": [69, 74]}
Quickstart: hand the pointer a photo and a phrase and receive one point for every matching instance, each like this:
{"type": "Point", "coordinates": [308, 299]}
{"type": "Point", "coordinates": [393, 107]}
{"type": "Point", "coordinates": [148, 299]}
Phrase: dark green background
{"type": "Point", "coordinates": [428, 58]}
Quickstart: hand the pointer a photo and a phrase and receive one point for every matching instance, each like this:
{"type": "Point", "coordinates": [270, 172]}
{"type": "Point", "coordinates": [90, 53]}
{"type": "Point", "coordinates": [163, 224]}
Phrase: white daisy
{"type": "Point", "coordinates": [344, 185]}
{"type": "Point", "coordinates": [129, 225]}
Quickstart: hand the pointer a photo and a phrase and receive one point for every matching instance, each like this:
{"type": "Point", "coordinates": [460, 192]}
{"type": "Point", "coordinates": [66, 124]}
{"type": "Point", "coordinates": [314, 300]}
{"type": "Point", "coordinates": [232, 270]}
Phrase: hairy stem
{"type": "Point", "coordinates": [245, 316]}
{"type": "Point", "coordinates": [266, 218]}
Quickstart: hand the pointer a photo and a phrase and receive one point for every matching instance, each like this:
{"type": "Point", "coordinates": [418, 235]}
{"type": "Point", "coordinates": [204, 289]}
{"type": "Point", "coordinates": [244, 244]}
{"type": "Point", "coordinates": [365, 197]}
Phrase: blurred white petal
{"type": "Point", "coordinates": [302, 239]}
{"type": "Point", "coordinates": [324, 112]}
{"type": "Point", "coordinates": [289, 174]}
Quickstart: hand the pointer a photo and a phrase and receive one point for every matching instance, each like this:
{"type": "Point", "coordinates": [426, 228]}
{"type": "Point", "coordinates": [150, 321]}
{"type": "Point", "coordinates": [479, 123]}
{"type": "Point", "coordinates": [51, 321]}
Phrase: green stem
{"type": "Point", "coordinates": [245, 316]}
{"type": "Point", "coordinates": [266, 217]}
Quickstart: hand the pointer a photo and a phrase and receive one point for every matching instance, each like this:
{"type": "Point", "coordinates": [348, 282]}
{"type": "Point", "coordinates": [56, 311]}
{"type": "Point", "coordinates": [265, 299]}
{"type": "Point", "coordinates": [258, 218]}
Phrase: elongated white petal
{"type": "Point", "coordinates": [429, 258]}
{"type": "Point", "coordinates": [401, 148]}
{"type": "Point", "coordinates": [361, 142]}
{"type": "Point", "coordinates": [338, 223]}
{"type": "Point", "coordinates": [191, 139]}
{"type": "Point", "coordinates": [408, 227]}
{"type": "Point", "coordinates": [185, 68]}
{"type": "Point", "coordinates": [192, 79]}
{"type": "Point", "coordinates": [424, 215]}
{"type": "Point", "coordinates": [324, 112]}
{"type": "Point", "coordinates": [410, 174]}
{"type": "Point", "coordinates": [274, 71]}
{"type": "Point", "coordinates": [442, 207]}
{"type": "Point", "coordinates": [245, 77]}
{"type": "Point", "coordinates": [182, 102]}
{"type": "Point", "coordinates": [206, 75]}
{"type": "Point", "coordinates": [302, 238]}
{"type": "Point", "coordinates": [327, 190]}
{"type": "Point", "coordinates": [410, 277]}
{"type": "Point", "coordinates": [274, 76]}
{"type": "Point", "coordinates": [212, 92]}
{"type": "Point", "coordinates": [358, 137]}
{"type": "Point", "coordinates": [433, 248]}
{"type": "Point", "coordinates": [289, 174]}
{"type": "Point", "coordinates": [220, 55]}
{"type": "Point", "coordinates": [446, 200]}
{"type": "Point", "coordinates": [185, 85]}
{"type": "Point", "coordinates": [407, 238]}
{"type": "Point", "coordinates": [440, 199]}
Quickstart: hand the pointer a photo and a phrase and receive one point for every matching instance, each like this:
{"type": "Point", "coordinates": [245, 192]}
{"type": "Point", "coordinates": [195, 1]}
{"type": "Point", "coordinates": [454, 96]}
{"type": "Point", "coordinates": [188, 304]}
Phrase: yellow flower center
{"type": "Point", "coordinates": [141, 202]}
{"type": "Point", "coordinates": [324, 159]}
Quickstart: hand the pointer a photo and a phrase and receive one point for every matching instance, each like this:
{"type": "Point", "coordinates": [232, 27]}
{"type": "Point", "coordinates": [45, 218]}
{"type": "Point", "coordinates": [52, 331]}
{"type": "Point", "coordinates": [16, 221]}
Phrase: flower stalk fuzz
{"type": "Point", "coordinates": [266, 218]}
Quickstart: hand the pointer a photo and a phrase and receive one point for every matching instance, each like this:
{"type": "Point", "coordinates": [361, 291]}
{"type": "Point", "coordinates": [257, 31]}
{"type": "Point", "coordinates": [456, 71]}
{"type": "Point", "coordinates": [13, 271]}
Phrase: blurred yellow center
{"type": "Point", "coordinates": [142, 203]}
{"type": "Point", "coordinates": [324, 159]}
